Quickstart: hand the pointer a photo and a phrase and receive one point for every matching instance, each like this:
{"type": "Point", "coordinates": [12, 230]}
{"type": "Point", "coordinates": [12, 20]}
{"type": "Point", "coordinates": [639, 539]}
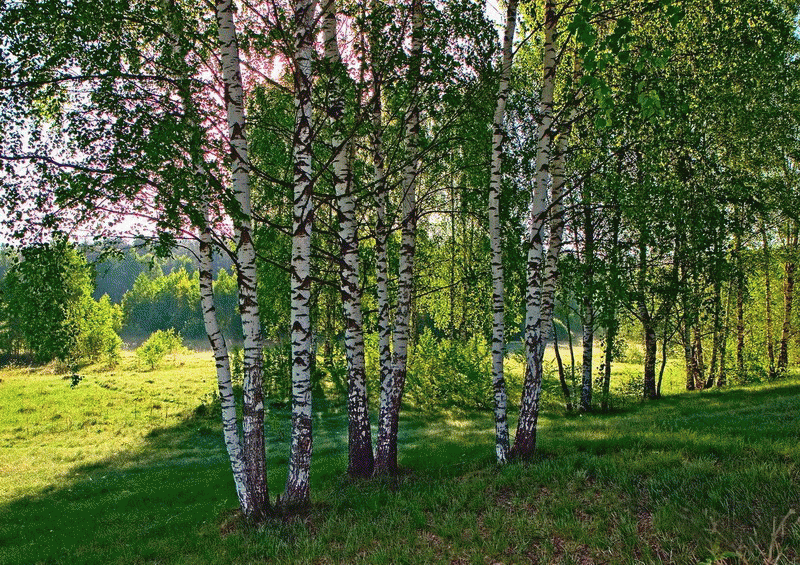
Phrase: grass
{"type": "Point", "coordinates": [124, 469]}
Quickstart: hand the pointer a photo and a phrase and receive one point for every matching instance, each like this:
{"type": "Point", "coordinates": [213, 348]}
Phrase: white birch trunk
{"type": "Point", "coordinates": [297, 484]}
{"type": "Point", "coordinates": [386, 448]}
{"type": "Point", "coordinates": [360, 458]}
{"type": "Point", "coordinates": [536, 327]}
{"type": "Point", "coordinates": [253, 418]}
{"type": "Point", "coordinates": [230, 424]}
{"type": "Point", "coordinates": [496, 241]}
{"type": "Point", "coordinates": [381, 229]}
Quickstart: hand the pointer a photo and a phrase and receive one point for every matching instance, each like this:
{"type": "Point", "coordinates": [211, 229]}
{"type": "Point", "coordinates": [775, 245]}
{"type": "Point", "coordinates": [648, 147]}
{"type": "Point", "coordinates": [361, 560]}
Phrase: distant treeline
{"type": "Point", "coordinates": [60, 301]}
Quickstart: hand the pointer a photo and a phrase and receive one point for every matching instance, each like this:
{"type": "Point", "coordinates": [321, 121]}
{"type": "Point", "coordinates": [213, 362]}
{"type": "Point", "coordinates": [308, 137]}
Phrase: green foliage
{"type": "Point", "coordinates": [277, 372]}
{"type": "Point", "coordinates": [172, 301]}
{"type": "Point", "coordinates": [99, 338]}
{"type": "Point", "coordinates": [160, 344]}
{"type": "Point", "coordinates": [162, 302]}
{"type": "Point", "coordinates": [444, 372]}
{"type": "Point", "coordinates": [47, 308]}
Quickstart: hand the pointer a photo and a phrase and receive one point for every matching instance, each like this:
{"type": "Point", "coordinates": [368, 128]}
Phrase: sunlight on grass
{"type": "Point", "coordinates": [129, 467]}
{"type": "Point", "coordinates": [47, 428]}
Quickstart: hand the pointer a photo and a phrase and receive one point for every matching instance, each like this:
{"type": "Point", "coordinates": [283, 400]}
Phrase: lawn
{"type": "Point", "coordinates": [128, 467]}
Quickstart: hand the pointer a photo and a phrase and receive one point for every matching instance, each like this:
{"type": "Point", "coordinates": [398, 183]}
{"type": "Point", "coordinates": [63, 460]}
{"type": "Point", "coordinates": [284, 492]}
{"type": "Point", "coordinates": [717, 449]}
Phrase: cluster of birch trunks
{"type": "Point", "coordinates": [246, 449]}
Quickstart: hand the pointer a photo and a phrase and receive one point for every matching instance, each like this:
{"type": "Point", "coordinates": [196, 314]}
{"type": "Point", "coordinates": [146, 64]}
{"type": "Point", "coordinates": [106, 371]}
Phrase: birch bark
{"type": "Point", "coordinates": [539, 279]}
{"type": "Point", "coordinates": [587, 338]}
{"type": "Point", "coordinates": [386, 447]}
{"type": "Point", "coordinates": [253, 417]}
{"type": "Point", "coordinates": [495, 237]}
{"type": "Point", "coordinates": [360, 458]}
{"type": "Point", "coordinates": [381, 227]}
{"type": "Point", "coordinates": [230, 424]}
{"type": "Point", "coordinates": [297, 483]}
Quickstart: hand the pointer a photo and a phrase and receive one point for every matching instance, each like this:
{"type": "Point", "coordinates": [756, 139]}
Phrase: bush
{"type": "Point", "coordinates": [159, 345]}
{"type": "Point", "coordinates": [98, 338]}
{"type": "Point", "coordinates": [444, 373]}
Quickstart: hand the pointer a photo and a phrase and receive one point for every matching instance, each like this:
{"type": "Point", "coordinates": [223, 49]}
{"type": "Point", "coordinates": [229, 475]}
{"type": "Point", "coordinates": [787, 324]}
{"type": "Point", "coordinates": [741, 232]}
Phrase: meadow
{"type": "Point", "coordinates": [128, 467]}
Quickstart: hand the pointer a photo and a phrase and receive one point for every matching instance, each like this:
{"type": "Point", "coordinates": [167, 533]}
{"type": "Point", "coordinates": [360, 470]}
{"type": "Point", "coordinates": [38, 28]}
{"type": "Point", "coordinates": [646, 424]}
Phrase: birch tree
{"type": "Point", "coordinates": [297, 483]}
{"type": "Point", "coordinates": [253, 418]}
{"type": "Point", "coordinates": [538, 312]}
{"type": "Point", "coordinates": [495, 237]}
{"type": "Point", "coordinates": [360, 457]}
{"type": "Point", "coordinates": [392, 387]}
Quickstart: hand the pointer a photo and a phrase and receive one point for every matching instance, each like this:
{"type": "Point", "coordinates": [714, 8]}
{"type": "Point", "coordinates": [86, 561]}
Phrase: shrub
{"type": "Point", "coordinates": [444, 372]}
{"type": "Point", "coordinates": [159, 345]}
{"type": "Point", "coordinates": [98, 338]}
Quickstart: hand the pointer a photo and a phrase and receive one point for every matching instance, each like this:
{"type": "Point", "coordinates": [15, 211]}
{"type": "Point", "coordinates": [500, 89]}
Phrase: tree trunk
{"type": "Point", "coordinates": [722, 376]}
{"type": "Point", "coordinates": [386, 447]}
{"type": "Point", "coordinates": [230, 425]}
{"type": "Point", "coordinates": [788, 295]}
{"type": "Point", "coordinates": [737, 250]}
{"type": "Point", "coordinates": [663, 366]}
{"type": "Point", "coordinates": [571, 353]}
{"type": "Point", "coordinates": [699, 362]}
{"type": "Point", "coordinates": [381, 233]}
{"type": "Point", "coordinates": [608, 359]}
{"type": "Point", "coordinates": [495, 239]}
{"type": "Point", "coordinates": [717, 315]}
{"type": "Point", "coordinates": [650, 346]}
{"type": "Point", "coordinates": [612, 325]}
{"type": "Point", "coordinates": [297, 483]}
{"type": "Point", "coordinates": [768, 302]}
{"type": "Point", "coordinates": [648, 326]}
{"type": "Point", "coordinates": [537, 323]}
{"type": "Point", "coordinates": [561, 377]}
{"type": "Point", "coordinates": [360, 459]}
{"type": "Point", "coordinates": [253, 417]}
{"type": "Point", "coordinates": [588, 306]}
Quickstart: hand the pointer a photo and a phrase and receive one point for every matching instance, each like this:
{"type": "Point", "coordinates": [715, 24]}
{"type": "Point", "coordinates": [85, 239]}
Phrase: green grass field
{"type": "Point", "coordinates": [125, 469]}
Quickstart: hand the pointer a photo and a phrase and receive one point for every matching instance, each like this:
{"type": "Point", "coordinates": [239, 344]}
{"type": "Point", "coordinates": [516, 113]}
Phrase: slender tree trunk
{"type": "Point", "coordinates": [571, 353]}
{"type": "Point", "coordinates": [253, 419]}
{"type": "Point", "coordinates": [717, 316]}
{"type": "Point", "coordinates": [537, 324]}
{"type": "Point", "coordinates": [737, 250]}
{"type": "Point", "coordinates": [768, 301]}
{"type": "Point", "coordinates": [699, 362]}
{"type": "Point", "coordinates": [722, 376]}
{"type": "Point", "coordinates": [297, 483]}
{"type": "Point", "coordinates": [230, 426]}
{"type": "Point", "coordinates": [608, 359]}
{"type": "Point", "coordinates": [588, 305]}
{"type": "Point", "coordinates": [648, 326]}
{"type": "Point", "coordinates": [360, 459]}
{"type": "Point", "coordinates": [496, 241]}
{"type": "Point", "coordinates": [788, 295]}
{"type": "Point", "coordinates": [664, 341]}
{"type": "Point", "coordinates": [612, 325]}
{"type": "Point", "coordinates": [561, 377]}
{"type": "Point", "coordinates": [381, 238]}
{"type": "Point", "coordinates": [650, 345]}
{"type": "Point", "coordinates": [386, 447]}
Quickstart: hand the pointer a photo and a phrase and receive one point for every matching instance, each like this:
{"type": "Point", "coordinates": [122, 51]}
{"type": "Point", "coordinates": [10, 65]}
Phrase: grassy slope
{"type": "Point", "coordinates": [121, 470]}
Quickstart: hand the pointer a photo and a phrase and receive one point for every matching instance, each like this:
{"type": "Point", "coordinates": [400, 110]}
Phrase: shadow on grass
{"type": "Point", "coordinates": [167, 498]}
{"type": "Point", "coordinates": [655, 464]}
